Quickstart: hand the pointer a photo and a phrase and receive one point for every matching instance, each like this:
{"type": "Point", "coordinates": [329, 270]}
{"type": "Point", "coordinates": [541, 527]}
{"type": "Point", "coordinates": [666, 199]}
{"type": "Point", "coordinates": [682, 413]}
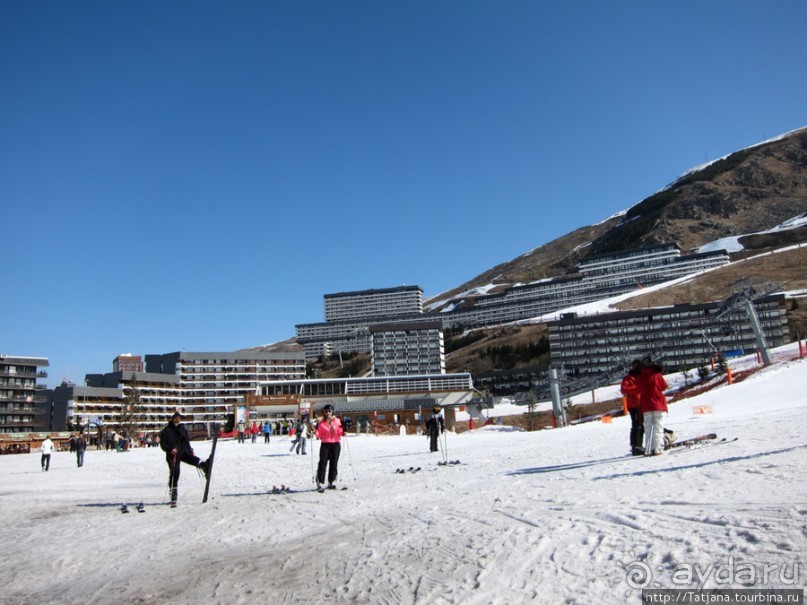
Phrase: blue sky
{"type": "Point", "coordinates": [197, 175]}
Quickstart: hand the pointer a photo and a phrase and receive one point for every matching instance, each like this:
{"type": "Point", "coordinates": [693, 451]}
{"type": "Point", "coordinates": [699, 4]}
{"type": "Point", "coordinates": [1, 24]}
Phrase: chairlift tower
{"type": "Point", "coordinates": [743, 299]}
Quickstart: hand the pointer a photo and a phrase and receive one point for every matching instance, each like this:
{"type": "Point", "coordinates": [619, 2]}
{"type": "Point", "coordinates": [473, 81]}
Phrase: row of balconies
{"type": "Point", "coordinates": [14, 403]}
{"type": "Point", "coordinates": [272, 366]}
{"type": "Point", "coordinates": [24, 373]}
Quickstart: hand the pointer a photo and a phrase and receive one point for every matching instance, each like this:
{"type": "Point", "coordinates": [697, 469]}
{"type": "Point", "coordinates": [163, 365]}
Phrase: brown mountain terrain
{"type": "Point", "coordinates": [747, 192]}
{"type": "Point", "coordinates": [744, 195]}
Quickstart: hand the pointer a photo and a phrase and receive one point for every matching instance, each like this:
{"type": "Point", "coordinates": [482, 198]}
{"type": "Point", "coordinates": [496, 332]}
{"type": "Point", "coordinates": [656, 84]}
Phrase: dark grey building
{"type": "Point", "coordinates": [22, 400]}
{"type": "Point", "coordinates": [681, 337]}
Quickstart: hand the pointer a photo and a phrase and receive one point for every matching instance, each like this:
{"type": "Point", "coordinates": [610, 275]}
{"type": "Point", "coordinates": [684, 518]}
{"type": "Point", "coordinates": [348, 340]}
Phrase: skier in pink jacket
{"type": "Point", "coordinates": [329, 432]}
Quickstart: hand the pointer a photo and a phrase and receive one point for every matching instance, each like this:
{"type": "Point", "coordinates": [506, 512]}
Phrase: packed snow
{"type": "Point", "coordinates": [554, 516]}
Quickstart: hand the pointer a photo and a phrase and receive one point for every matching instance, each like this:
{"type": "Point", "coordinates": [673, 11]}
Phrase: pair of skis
{"type": "Point", "coordinates": [702, 440]}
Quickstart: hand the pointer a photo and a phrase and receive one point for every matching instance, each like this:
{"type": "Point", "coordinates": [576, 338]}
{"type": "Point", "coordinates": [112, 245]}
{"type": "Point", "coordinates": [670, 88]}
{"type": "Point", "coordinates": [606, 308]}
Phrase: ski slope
{"type": "Point", "coordinates": [557, 516]}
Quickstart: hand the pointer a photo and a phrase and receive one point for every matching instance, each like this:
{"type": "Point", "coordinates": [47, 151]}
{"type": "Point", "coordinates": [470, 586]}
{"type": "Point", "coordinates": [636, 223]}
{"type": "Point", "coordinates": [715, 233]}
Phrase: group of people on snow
{"type": "Point", "coordinates": [175, 442]}
{"type": "Point", "coordinates": [643, 387]}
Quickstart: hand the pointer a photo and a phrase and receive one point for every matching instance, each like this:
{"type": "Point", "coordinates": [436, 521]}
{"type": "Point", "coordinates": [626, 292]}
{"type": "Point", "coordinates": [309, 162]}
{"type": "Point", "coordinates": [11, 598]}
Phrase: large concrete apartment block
{"type": "Point", "coordinates": [206, 387]}
{"type": "Point", "coordinates": [21, 398]}
{"type": "Point", "coordinates": [349, 315]}
{"type": "Point", "coordinates": [211, 384]}
{"type": "Point", "coordinates": [682, 337]}
{"type": "Point", "coordinates": [407, 349]}
{"type": "Point", "coordinates": [373, 304]}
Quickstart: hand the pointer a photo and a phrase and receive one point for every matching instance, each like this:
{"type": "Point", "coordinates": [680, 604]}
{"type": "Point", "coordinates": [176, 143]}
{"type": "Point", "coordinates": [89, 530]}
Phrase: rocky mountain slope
{"type": "Point", "coordinates": [750, 191]}
{"type": "Point", "coordinates": [744, 195]}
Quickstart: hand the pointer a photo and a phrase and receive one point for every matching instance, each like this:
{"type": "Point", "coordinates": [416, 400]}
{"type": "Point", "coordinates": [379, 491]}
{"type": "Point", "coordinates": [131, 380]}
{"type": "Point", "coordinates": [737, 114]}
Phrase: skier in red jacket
{"type": "Point", "coordinates": [653, 405]}
{"type": "Point", "coordinates": [630, 389]}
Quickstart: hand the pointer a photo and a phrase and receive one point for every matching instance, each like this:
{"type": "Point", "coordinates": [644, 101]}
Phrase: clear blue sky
{"type": "Point", "coordinates": [197, 175]}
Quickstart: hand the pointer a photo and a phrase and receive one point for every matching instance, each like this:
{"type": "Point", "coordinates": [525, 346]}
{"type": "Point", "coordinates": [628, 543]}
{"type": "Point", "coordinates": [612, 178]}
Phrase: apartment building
{"type": "Point", "coordinates": [212, 384]}
{"type": "Point", "coordinates": [349, 315]}
{"type": "Point", "coordinates": [100, 401]}
{"type": "Point", "coordinates": [682, 336]}
{"type": "Point", "coordinates": [598, 277]}
{"type": "Point", "coordinates": [21, 398]}
{"type": "Point", "coordinates": [206, 387]}
{"type": "Point", "coordinates": [403, 349]}
{"type": "Point", "coordinates": [373, 304]}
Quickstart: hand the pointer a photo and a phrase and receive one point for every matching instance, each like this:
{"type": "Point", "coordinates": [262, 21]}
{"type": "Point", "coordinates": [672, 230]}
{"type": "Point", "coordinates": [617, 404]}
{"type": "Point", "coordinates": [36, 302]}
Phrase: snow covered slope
{"type": "Point", "coordinates": [560, 516]}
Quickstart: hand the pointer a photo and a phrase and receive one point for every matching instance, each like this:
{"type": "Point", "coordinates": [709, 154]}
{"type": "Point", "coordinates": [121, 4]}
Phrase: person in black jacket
{"type": "Point", "coordinates": [176, 444]}
{"type": "Point", "coordinates": [81, 445]}
{"type": "Point", "coordinates": [435, 425]}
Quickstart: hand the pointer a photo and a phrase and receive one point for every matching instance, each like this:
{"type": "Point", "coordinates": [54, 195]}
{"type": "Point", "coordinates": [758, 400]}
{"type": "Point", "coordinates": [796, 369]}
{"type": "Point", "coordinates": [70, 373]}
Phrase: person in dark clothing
{"type": "Point", "coordinates": [176, 444]}
{"type": "Point", "coordinates": [435, 426]}
{"type": "Point", "coordinates": [81, 445]}
{"type": "Point", "coordinates": [630, 389]}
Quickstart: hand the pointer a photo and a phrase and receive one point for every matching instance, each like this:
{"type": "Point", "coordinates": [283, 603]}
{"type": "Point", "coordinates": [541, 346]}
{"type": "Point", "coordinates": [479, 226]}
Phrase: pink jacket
{"type": "Point", "coordinates": [329, 432]}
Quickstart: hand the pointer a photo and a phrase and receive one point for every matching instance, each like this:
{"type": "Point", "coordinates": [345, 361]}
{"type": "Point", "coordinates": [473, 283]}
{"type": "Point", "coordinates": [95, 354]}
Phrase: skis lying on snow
{"type": "Point", "coordinates": [448, 463]}
{"type": "Point", "coordinates": [693, 440]}
{"type": "Point", "coordinates": [701, 443]}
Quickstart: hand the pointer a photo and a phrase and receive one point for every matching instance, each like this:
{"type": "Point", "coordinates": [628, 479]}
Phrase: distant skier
{"type": "Point", "coordinates": [329, 432]}
{"type": "Point", "coordinates": [435, 426]}
{"type": "Point", "coordinates": [81, 445]}
{"type": "Point", "coordinates": [630, 389]}
{"type": "Point", "coordinates": [47, 450]}
{"type": "Point", "coordinates": [176, 444]}
{"type": "Point", "coordinates": [302, 433]}
{"type": "Point", "coordinates": [305, 434]}
{"type": "Point", "coordinates": [653, 405]}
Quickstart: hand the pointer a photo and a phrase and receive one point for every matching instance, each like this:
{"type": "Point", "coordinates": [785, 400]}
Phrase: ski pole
{"type": "Point", "coordinates": [313, 472]}
{"type": "Point", "coordinates": [350, 457]}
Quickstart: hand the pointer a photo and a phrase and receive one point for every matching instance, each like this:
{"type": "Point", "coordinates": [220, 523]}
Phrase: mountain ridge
{"type": "Point", "coordinates": [746, 192]}
{"type": "Point", "coordinates": [744, 195]}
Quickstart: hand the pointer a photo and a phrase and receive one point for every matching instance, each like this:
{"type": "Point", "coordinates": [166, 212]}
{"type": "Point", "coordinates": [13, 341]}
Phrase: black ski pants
{"type": "Point", "coordinates": [434, 436]}
{"type": "Point", "coordinates": [328, 456]}
{"type": "Point", "coordinates": [174, 468]}
{"type": "Point", "coordinates": [636, 428]}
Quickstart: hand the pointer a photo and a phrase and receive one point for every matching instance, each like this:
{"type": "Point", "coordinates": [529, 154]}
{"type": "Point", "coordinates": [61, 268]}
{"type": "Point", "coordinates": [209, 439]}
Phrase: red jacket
{"type": "Point", "coordinates": [651, 390]}
{"type": "Point", "coordinates": [329, 431]}
{"type": "Point", "coordinates": [630, 389]}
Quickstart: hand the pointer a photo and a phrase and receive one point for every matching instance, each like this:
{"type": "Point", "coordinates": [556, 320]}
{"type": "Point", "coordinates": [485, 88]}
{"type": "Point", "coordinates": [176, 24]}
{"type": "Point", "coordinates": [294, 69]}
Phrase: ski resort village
{"type": "Point", "coordinates": [403, 303]}
{"type": "Point", "coordinates": [445, 490]}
